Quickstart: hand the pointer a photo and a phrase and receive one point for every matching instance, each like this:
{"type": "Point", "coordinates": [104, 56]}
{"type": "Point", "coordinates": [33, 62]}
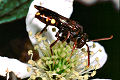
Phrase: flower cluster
{"type": "Point", "coordinates": [60, 66]}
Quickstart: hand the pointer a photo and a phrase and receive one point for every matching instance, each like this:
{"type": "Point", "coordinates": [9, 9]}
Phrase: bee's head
{"type": "Point", "coordinates": [81, 40]}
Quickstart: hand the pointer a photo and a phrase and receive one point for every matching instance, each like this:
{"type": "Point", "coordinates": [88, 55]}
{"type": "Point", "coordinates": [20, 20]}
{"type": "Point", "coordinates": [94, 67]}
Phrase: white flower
{"type": "Point", "coordinates": [63, 7]}
{"type": "Point", "coordinates": [33, 26]}
{"type": "Point", "coordinates": [12, 65]}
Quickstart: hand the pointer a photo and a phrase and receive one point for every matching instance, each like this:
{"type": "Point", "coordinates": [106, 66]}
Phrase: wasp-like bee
{"type": "Point", "coordinates": [69, 29]}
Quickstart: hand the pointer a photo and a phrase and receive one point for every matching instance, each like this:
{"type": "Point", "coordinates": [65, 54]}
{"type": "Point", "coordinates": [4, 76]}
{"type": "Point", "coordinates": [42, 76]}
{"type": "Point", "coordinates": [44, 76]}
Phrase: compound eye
{"type": "Point", "coordinates": [53, 21]}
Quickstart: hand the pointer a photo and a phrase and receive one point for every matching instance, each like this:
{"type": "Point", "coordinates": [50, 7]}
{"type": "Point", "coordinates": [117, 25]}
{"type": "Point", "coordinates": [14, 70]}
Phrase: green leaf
{"type": "Point", "coordinates": [13, 9]}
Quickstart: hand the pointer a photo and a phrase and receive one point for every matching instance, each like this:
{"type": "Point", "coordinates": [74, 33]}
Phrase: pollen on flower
{"type": "Point", "coordinates": [83, 50]}
{"type": "Point", "coordinates": [97, 59]}
{"type": "Point", "coordinates": [94, 45]}
{"type": "Point", "coordinates": [44, 78]}
{"type": "Point", "coordinates": [91, 67]}
{"type": "Point", "coordinates": [39, 37]}
{"type": "Point", "coordinates": [100, 50]}
{"type": "Point", "coordinates": [31, 62]}
{"type": "Point", "coordinates": [33, 77]}
{"type": "Point", "coordinates": [85, 63]}
{"type": "Point", "coordinates": [39, 62]}
{"type": "Point", "coordinates": [76, 73]}
{"type": "Point", "coordinates": [93, 73]}
{"type": "Point", "coordinates": [38, 73]}
{"type": "Point", "coordinates": [91, 52]}
{"type": "Point", "coordinates": [30, 52]}
{"type": "Point", "coordinates": [36, 47]}
{"type": "Point", "coordinates": [85, 54]}
{"type": "Point", "coordinates": [29, 69]}
{"type": "Point", "coordinates": [30, 33]}
{"type": "Point", "coordinates": [86, 76]}
{"type": "Point", "coordinates": [58, 64]}
{"type": "Point", "coordinates": [97, 66]}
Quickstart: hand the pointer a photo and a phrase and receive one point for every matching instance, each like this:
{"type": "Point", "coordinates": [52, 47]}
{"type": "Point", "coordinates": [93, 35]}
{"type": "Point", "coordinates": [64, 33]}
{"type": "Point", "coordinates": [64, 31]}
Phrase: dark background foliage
{"type": "Point", "coordinates": [98, 20]}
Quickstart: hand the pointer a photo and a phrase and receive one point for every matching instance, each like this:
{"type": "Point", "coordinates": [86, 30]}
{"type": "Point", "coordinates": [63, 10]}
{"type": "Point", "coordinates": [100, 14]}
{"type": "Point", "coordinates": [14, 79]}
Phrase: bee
{"type": "Point", "coordinates": [69, 29]}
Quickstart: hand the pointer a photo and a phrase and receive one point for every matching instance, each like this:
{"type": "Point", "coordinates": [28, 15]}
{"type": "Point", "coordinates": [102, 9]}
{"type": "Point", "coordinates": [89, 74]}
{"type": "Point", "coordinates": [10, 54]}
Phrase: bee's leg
{"type": "Point", "coordinates": [57, 34]}
{"type": "Point", "coordinates": [43, 29]}
{"type": "Point", "coordinates": [51, 48]}
{"type": "Point", "coordinates": [88, 55]}
{"type": "Point", "coordinates": [38, 34]}
{"type": "Point", "coordinates": [72, 50]}
{"type": "Point", "coordinates": [68, 35]}
{"type": "Point", "coordinates": [58, 38]}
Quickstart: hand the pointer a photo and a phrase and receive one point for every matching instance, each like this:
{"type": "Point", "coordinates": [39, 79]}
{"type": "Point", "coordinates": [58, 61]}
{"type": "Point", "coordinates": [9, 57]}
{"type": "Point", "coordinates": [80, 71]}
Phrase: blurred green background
{"type": "Point", "coordinates": [99, 20]}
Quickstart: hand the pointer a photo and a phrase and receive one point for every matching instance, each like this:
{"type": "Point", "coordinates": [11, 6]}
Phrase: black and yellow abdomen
{"type": "Point", "coordinates": [46, 16]}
